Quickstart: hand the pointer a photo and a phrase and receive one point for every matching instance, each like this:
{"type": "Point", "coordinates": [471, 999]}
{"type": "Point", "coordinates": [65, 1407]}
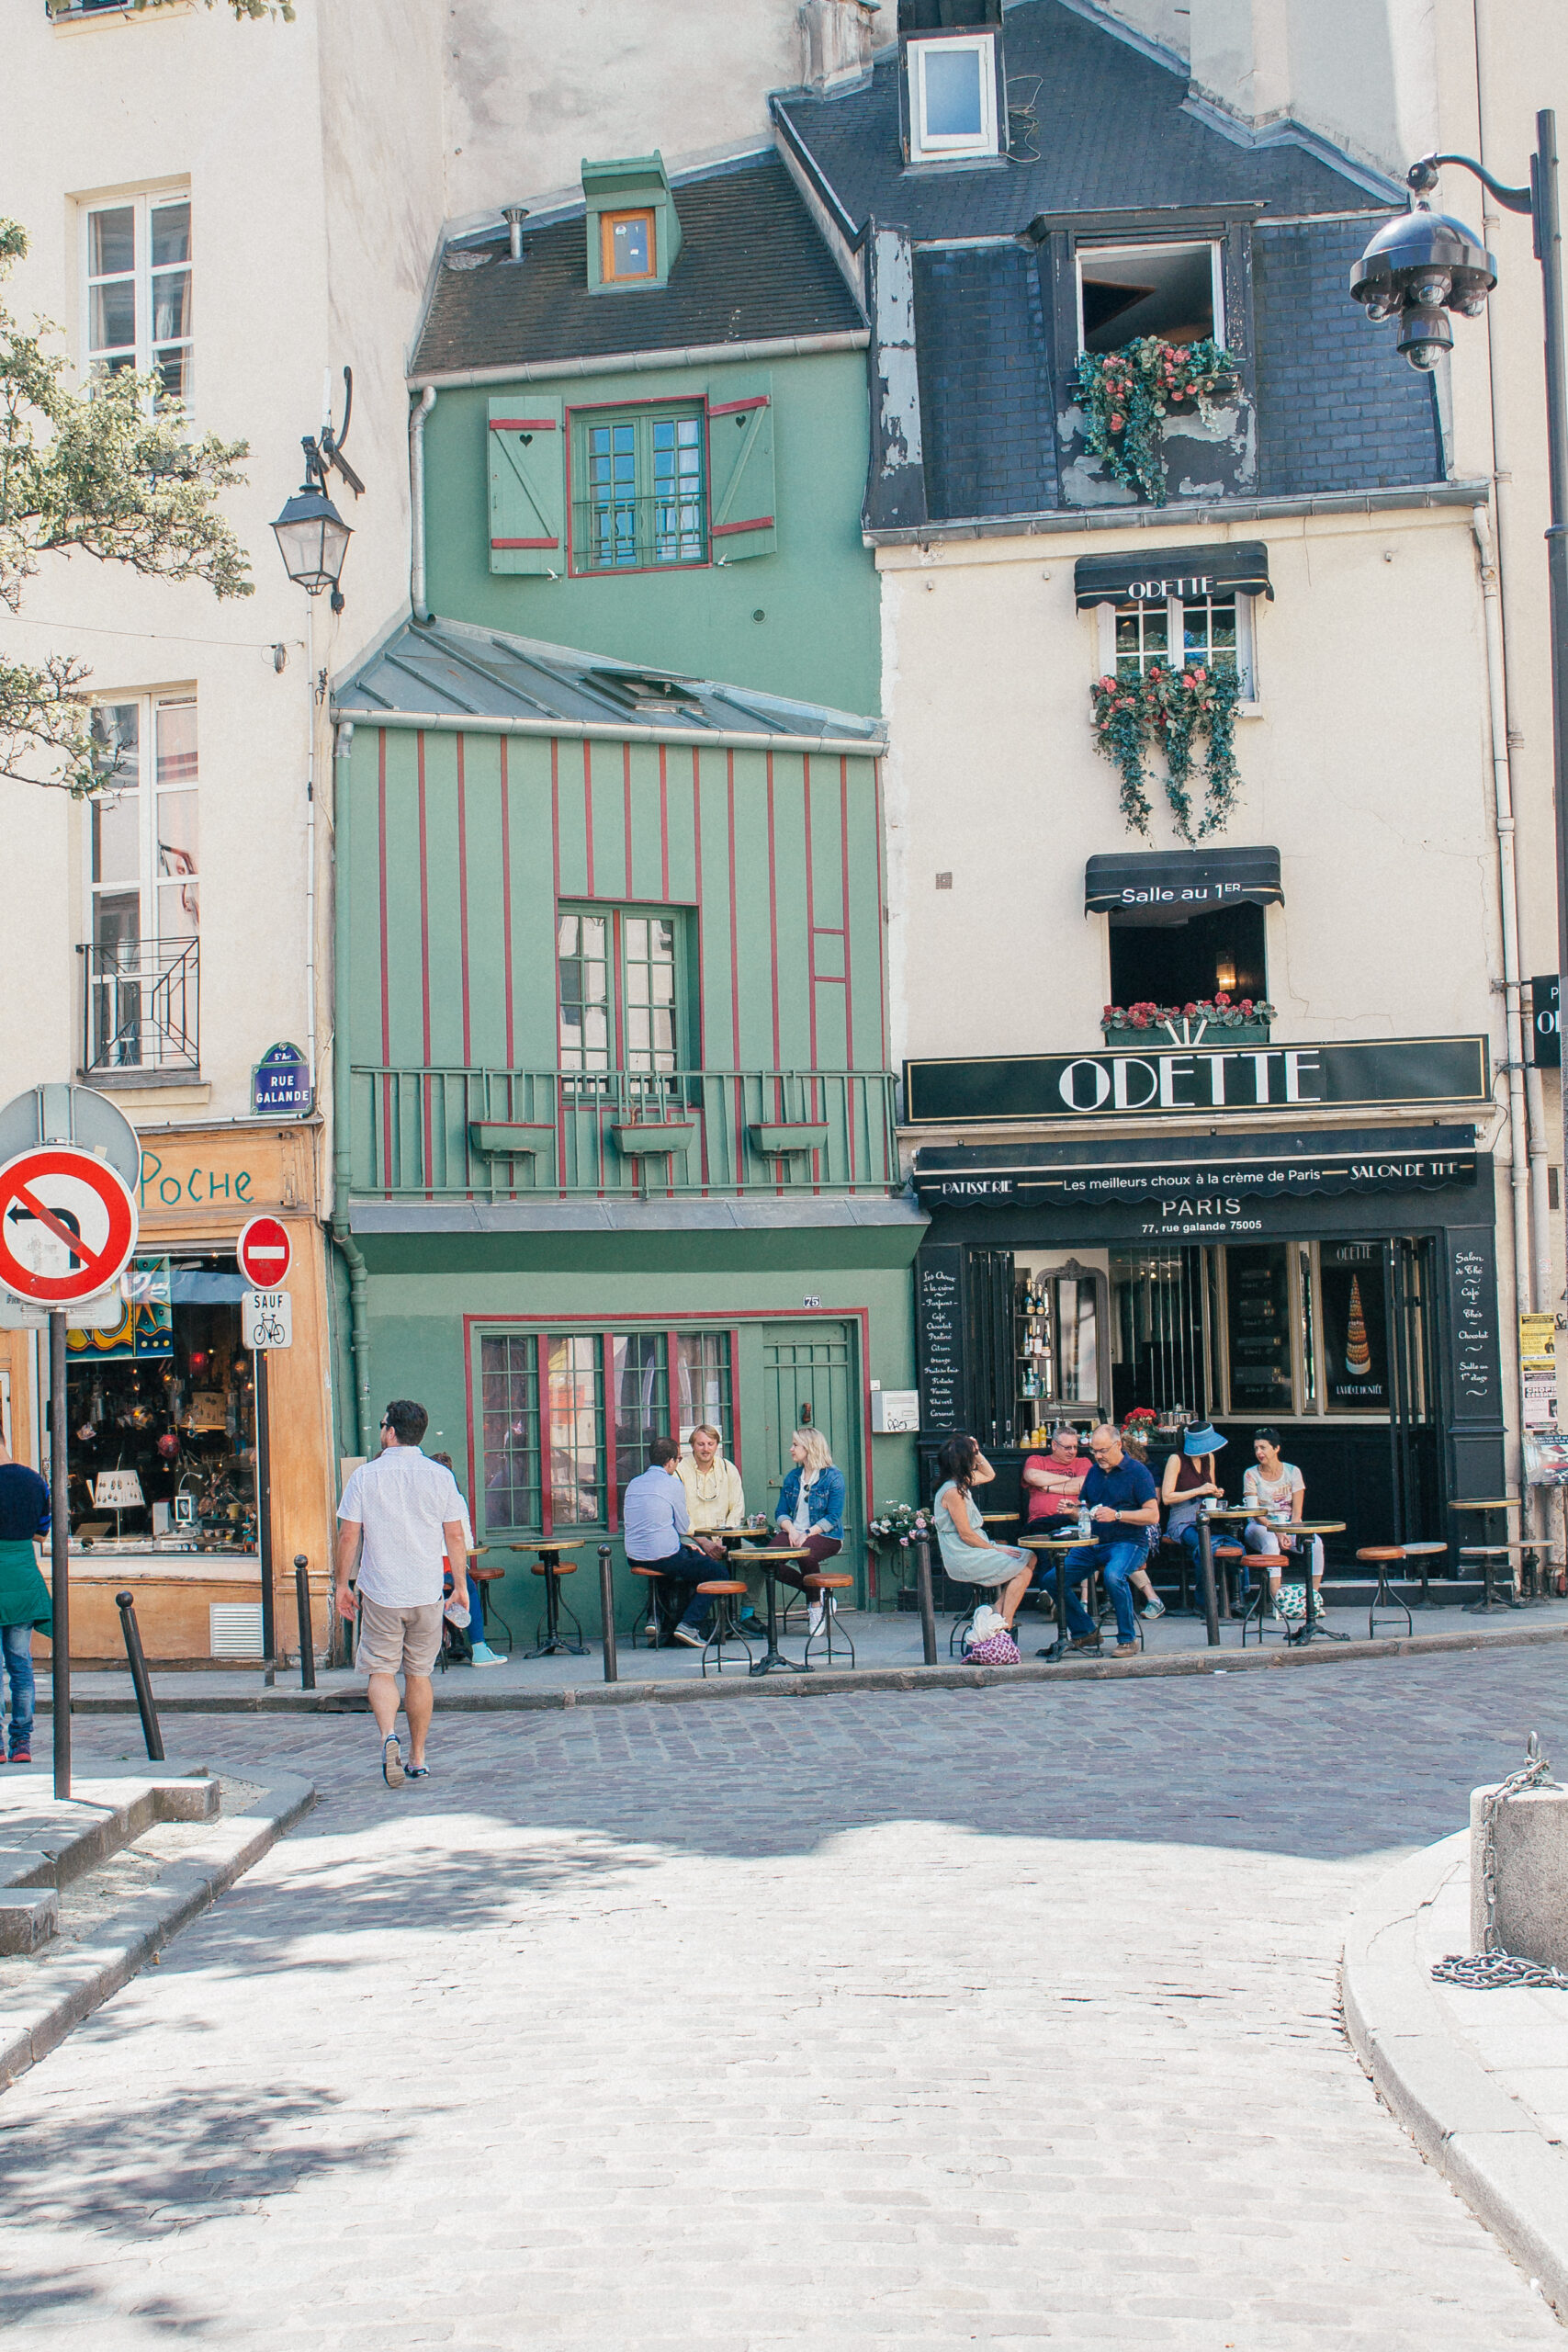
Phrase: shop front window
{"type": "Point", "coordinates": [162, 1440]}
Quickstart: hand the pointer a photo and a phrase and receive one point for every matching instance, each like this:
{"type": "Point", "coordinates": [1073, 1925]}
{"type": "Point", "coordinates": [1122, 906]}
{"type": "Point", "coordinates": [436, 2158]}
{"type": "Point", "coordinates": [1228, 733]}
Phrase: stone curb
{"type": "Point", "coordinates": [1486, 2144]}
{"type": "Point", "coordinates": [835, 1683]}
{"type": "Point", "coordinates": [75, 1986]}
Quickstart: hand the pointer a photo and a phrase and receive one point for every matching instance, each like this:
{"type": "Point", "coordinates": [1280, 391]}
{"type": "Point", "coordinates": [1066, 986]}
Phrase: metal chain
{"type": "Point", "coordinates": [1492, 1966]}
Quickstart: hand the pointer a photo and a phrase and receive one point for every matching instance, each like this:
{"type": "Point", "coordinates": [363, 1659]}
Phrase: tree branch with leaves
{"type": "Point", "coordinates": [112, 472]}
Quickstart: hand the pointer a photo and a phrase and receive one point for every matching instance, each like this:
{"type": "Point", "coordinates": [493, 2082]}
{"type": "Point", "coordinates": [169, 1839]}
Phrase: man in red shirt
{"type": "Point", "coordinates": [1052, 1481]}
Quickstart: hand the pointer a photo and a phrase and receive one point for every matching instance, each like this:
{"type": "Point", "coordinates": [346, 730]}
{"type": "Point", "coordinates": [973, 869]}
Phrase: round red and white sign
{"type": "Point", "coordinates": [68, 1225]}
{"type": "Point", "coordinates": [264, 1252]}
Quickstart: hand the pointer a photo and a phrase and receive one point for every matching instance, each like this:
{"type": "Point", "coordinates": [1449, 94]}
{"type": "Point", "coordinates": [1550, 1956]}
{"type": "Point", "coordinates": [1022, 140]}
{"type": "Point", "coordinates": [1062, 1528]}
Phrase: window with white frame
{"type": "Point", "coordinates": [953, 97]}
{"type": "Point", "coordinates": [143, 883]}
{"type": "Point", "coordinates": [1215, 629]}
{"type": "Point", "coordinates": [137, 274]}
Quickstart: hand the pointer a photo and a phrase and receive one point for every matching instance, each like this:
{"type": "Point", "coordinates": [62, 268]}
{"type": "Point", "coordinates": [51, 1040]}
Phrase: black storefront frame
{"type": "Point", "coordinates": [1459, 1221]}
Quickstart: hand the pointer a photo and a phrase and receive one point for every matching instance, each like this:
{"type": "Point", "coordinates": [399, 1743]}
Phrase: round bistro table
{"type": "Point", "coordinates": [1065, 1543]}
{"type": "Point", "coordinates": [766, 1557]}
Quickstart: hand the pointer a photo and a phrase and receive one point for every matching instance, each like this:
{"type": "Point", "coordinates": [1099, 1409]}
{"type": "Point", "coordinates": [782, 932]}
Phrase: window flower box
{"type": "Point", "coordinates": [1211, 1022]}
{"type": "Point", "coordinates": [652, 1138]}
{"type": "Point", "coordinates": [773, 1141]}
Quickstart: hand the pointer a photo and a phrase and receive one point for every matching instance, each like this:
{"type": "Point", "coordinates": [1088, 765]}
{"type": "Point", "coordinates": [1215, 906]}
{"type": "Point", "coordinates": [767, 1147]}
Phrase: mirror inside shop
{"type": "Point", "coordinates": [1275, 1330]}
{"type": "Point", "coordinates": [161, 1442]}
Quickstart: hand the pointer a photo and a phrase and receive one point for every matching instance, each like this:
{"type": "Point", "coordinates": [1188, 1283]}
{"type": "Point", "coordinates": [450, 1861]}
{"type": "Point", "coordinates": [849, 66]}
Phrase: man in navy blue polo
{"type": "Point", "coordinates": [1119, 1497]}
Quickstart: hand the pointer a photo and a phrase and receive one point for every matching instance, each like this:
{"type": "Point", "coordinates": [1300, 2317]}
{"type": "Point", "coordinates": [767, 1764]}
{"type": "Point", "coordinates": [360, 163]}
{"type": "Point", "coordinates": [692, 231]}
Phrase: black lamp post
{"type": "Point", "coordinates": [313, 539]}
{"type": "Point", "coordinates": [1422, 266]}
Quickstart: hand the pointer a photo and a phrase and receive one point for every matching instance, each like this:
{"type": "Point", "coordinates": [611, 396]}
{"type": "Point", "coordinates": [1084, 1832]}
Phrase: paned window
{"type": "Point", "coordinates": [620, 988]}
{"type": "Point", "coordinates": [953, 97]}
{"type": "Point", "coordinates": [564, 1457]}
{"type": "Point", "coordinates": [1176, 630]}
{"type": "Point", "coordinates": [137, 281]}
{"type": "Point", "coordinates": [143, 882]}
{"type": "Point", "coordinates": [640, 491]}
{"type": "Point", "coordinates": [627, 246]}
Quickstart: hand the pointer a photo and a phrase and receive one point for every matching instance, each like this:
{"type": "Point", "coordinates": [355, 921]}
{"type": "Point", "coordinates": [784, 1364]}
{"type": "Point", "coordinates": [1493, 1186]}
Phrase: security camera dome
{"type": "Point", "coordinates": [1425, 257]}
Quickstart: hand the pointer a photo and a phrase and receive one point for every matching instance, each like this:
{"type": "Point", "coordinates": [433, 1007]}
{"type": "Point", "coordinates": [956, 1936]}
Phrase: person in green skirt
{"type": "Point", "coordinates": [25, 1605]}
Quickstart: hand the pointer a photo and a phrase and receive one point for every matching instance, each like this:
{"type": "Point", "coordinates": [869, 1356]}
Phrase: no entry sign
{"type": "Point", "coordinates": [67, 1224]}
{"type": "Point", "coordinates": [265, 1253]}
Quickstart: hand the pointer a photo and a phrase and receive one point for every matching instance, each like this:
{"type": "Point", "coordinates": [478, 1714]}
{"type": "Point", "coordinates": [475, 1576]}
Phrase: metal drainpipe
{"type": "Point", "coordinates": [358, 1272]}
{"type": "Point", "coordinates": [1508, 880]}
{"type": "Point", "coordinates": [417, 419]}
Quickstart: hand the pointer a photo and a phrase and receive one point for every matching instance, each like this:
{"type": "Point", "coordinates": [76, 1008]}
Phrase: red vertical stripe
{"type": "Point", "coordinates": [734, 919]}
{"type": "Point", "coordinates": [810, 909]}
{"type": "Point", "coordinates": [734, 1402]}
{"type": "Point", "coordinates": [555, 956]}
{"type": "Point", "coordinates": [626, 809]}
{"type": "Point", "coordinates": [427, 1089]}
{"type": "Point", "coordinates": [672, 1388]}
{"type": "Point", "coordinates": [664, 825]}
{"type": "Point", "coordinates": [700, 1041]}
{"type": "Point", "coordinates": [546, 1508]}
{"type": "Point", "coordinates": [773, 911]}
{"type": "Point", "coordinates": [463, 900]}
{"type": "Point", "coordinates": [474, 1488]}
{"type": "Point", "coordinates": [588, 809]}
{"type": "Point", "coordinates": [881, 906]}
{"type": "Point", "coordinates": [506, 901]}
{"type": "Point", "coordinates": [849, 965]}
{"type": "Point", "coordinates": [385, 969]}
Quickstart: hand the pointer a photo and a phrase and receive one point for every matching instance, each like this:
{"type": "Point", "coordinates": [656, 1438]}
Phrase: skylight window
{"type": "Point", "coordinates": [953, 97]}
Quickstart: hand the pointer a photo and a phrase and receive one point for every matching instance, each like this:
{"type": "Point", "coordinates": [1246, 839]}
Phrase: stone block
{"type": "Point", "coordinates": [1531, 1840]}
{"type": "Point", "coordinates": [28, 1919]}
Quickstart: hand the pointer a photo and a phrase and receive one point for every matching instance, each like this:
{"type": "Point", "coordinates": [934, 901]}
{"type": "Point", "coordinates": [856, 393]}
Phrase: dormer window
{"type": "Point", "coordinates": [627, 246]}
{"type": "Point", "coordinates": [953, 97]}
{"type": "Point", "coordinates": [1174, 291]}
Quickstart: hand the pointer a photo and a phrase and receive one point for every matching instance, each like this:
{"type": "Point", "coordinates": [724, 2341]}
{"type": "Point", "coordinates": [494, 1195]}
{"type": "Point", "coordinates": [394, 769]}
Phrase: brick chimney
{"type": "Point", "coordinates": [837, 39]}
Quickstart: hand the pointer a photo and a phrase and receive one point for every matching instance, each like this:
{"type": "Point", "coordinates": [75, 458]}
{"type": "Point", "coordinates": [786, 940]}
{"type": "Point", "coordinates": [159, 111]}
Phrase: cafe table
{"type": "Point", "coordinates": [772, 1660]}
{"type": "Point", "coordinates": [1311, 1624]}
{"type": "Point", "coordinates": [549, 1567]}
{"type": "Point", "coordinates": [1065, 1543]}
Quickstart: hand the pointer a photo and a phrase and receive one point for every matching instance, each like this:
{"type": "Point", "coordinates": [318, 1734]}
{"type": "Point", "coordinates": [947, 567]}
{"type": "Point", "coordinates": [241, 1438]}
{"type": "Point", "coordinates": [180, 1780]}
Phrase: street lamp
{"type": "Point", "coordinates": [313, 540]}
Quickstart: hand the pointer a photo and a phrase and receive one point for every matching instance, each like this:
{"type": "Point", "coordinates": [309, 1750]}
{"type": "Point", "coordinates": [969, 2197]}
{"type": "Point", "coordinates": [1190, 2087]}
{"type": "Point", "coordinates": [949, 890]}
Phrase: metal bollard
{"type": "Point", "coordinates": [126, 1604]}
{"type": "Point", "coordinates": [607, 1615]}
{"type": "Point", "coordinates": [307, 1634]}
{"type": "Point", "coordinates": [928, 1606]}
{"type": "Point", "coordinates": [1206, 1578]}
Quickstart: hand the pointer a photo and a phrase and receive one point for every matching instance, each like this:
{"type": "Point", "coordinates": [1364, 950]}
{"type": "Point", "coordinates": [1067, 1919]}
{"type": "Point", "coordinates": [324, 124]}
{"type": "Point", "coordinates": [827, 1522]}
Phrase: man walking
{"type": "Point", "coordinates": [408, 1513]}
{"type": "Point", "coordinates": [25, 1605]}
{"type": "Point", "coordinates": [656, 1528]}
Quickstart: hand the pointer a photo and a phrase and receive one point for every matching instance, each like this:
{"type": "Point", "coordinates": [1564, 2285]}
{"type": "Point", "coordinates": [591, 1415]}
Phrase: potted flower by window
{"type": "Point", "coordinates": [1222, 1021]}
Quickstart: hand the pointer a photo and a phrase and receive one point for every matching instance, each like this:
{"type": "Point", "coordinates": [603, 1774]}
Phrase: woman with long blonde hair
{"type": "Point", "coordinates": [811, 1510]}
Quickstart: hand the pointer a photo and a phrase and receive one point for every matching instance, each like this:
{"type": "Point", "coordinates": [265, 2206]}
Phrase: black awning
{"type": "Point", "coordinates": [1169, 883]}
{"type": "Point", "coordinates": [1148, 575]}
{"type": "Point", "coordinates": [1252, 1168]}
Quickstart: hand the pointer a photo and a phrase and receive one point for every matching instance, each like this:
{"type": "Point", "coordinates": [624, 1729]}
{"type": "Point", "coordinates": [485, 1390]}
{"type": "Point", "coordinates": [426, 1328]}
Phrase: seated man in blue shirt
{"type": "Point", "coordinates": [656, 1528]}
{"type": "Point", "coordinates": [1119, 1495]}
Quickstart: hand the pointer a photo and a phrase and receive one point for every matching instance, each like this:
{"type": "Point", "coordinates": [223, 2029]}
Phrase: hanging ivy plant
{"type": "Point", "coordinates": [1125, 395]}
{"type": "Point", "coordinates": [1172, 708]}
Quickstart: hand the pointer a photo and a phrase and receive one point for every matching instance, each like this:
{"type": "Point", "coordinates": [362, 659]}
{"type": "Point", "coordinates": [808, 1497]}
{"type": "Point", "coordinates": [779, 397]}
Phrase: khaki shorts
{"type": "Point", "coordinates": [391, 1639]}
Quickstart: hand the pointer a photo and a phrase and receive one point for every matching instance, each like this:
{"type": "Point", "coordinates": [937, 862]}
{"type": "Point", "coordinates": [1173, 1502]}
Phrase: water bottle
{"type": "Point", "coordinates": [1086, 1524]}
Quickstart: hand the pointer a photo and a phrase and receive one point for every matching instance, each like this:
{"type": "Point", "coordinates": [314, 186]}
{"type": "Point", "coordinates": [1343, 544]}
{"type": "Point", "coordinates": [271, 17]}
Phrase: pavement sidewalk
{"type": "Point", "coordinates": [1479, 2079]}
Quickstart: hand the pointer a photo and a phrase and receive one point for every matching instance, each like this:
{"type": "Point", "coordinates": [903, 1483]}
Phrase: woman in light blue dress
{"type": "Point", "coordinates": [968, 1555]}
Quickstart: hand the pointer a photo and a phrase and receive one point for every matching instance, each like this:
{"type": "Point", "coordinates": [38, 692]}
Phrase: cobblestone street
{"type": "Point", "coordinates": [887, 2020]}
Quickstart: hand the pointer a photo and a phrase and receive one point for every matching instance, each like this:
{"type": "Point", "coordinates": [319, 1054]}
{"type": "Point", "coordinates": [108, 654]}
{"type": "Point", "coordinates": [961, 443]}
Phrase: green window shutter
{"type": "Point", "coordinates": [740, 468]}
{"type": "Point", "coordinates": [527, 484]}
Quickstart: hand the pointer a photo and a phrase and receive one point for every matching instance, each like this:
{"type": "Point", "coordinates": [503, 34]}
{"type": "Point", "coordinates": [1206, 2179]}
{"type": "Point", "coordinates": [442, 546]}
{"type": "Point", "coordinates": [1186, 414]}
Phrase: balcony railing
{"type": "Point", "coordinates": [495, 1134]}
{"type": "Point", "coordinates": [141, 1009]}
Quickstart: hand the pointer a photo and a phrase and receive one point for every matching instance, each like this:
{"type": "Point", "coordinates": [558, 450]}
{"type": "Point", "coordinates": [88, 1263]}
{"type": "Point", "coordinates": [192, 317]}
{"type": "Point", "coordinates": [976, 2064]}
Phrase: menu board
{"type": "Point", "coordinates": [1355, 1326]}
{"type": "Point", "coordinates": [1257, 1320]}
{"type": "Point", "coordinates": [939, 1335]}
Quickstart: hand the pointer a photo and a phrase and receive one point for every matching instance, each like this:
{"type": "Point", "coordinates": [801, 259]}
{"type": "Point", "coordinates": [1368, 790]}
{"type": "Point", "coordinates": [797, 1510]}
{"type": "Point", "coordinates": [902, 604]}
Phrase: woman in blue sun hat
{"type": "Point", "coordinates": [1189, 1477]}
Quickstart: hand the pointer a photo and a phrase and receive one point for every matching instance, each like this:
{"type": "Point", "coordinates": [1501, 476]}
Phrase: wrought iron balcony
{"type": "Point", "coordinates": [141, 1009]}
{"type": "Point", "coordinates": [496, 1135]}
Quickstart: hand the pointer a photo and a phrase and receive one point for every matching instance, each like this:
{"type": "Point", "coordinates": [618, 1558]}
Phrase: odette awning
{"type": "Point", "coordinates": [1149, 575]}
{"type": "Point", "coordinates": [1169, 885]}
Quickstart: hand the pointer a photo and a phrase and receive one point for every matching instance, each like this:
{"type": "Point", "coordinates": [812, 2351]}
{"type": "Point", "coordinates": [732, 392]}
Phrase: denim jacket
{"type": "Point", "coordinates": [827, 1498]}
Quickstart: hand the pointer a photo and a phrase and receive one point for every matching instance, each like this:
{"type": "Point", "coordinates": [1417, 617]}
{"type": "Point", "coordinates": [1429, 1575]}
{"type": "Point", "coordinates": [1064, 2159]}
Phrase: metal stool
{"type": "Point", "coordinates": [1423, 1554]}
{"type": "Point", "coordinates": [484, 1578]}
{"type": "Point", "coordinates": [646, 1618]}
{"type": "Point", "coordinates": [825, 1585]}
{"type": "Point", "coordinates": [1382, 1554]}
{"type": "Point", "coordinates": [723, 1591]}
{"type": "Point", "coordinates": [1486, 1553]}
{"type": "Point", "coordinates": [1259, 1601]}
{"type": "Point", "coordinates": [552, 1568]}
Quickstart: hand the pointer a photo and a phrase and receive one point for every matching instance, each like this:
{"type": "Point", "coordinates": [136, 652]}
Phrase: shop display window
{"type": "Point", "coordinates": [1354, 1328]}
{"type": "Point", "coordinates": [1257, 1328]}
{"type": "Point", "coordinates": [161, 1416]}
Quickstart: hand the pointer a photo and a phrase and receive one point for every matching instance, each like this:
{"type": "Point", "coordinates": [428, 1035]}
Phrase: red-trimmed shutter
{"type": "Point", "coordinates": [527, 483]}
{"type": "Point", "coordinates": [740, 468]}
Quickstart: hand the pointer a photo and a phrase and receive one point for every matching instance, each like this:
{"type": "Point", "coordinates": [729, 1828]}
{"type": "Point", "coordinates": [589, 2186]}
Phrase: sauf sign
{"type": "Point", "coordinates": [1199, 1079]}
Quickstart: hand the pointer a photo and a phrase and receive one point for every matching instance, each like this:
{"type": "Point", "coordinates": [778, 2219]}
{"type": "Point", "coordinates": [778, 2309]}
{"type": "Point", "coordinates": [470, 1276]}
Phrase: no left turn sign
{"type": "Point", "coordinates": [68, 1225]}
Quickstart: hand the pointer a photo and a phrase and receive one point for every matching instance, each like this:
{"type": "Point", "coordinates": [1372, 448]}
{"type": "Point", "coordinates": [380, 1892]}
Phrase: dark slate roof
{"type": "Point", "coordinates": [1336, 405]}
{"type": "Point", "coordinates": [752, 264]}
{"type": "Point", "coordinates": [1111, 132]}
{"type": "Point", "coordinates": [986, 411]}
{"type": "Point", "coordinates": [446, 670]}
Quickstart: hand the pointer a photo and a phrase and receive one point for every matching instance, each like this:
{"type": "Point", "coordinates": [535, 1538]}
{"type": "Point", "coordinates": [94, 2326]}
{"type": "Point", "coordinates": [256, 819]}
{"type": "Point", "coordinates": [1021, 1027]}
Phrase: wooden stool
{"type": "Point", "coordinates": [1268, 1562]}
{"type": "Point", "coordinates": [484, 1578]}
{"type": "Point", "coordinates": [1487, 1553]}
{"type": "Point", "coordinates": [1382, 1554]}
{"type": "Point", "coordinates": [1423, 1554]}
{"type": "Point", "coordinates": [552, 1567]}
{"type": "Point", "coordinates": [1228, 1577]}
{"type": "Point", "coordinates": [646, 1618]}
{"type": "Point", "coordinates": [824, 1584]}
{"type": "Point", "coordinates": [724, 1592]}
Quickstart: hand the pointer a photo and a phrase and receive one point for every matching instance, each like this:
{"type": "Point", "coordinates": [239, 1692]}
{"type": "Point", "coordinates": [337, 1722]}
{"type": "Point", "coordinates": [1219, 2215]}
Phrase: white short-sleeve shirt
{"type": "Point", "coordinates": [403, 1501]}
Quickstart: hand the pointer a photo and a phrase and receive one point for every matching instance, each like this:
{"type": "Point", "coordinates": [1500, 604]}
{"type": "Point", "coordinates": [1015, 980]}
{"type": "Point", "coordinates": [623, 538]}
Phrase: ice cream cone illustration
{"type": "Point", "coordinates": [1358, 1354]}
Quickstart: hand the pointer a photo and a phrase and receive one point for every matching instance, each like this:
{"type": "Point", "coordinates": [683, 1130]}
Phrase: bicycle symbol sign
{"type": "Point", "coordinates": [266, 1319]}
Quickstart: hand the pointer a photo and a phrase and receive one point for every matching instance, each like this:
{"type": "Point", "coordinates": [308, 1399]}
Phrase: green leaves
{"type": "Point", "coordinates": [111, 472]}
{"type": "Point", "coordinates": [1125, 395]}
{"type": "Point", "coordinates": [1172, 708]}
